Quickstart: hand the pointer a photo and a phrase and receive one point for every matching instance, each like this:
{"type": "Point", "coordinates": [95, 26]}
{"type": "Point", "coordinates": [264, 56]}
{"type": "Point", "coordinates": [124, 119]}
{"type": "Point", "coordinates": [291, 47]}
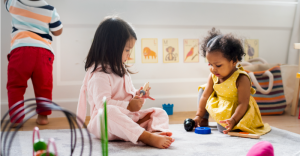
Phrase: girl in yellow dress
{"type": "Point", "coordinates": [227, 95]}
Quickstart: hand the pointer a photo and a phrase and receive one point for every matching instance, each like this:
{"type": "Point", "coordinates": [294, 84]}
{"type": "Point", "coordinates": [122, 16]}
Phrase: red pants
{"type": "Point", "coordinates": [24, 63]}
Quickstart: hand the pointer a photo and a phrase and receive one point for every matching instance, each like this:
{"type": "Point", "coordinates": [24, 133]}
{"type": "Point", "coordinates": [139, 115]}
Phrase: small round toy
{"type": "Point", "coordinates": [142, 92]}
{"type": "Point", "coordinates": [202, 130]}
{"type": "Point", "coordinates": [39, 144]}
{"type": "Point", "coordinates": [189, 124]}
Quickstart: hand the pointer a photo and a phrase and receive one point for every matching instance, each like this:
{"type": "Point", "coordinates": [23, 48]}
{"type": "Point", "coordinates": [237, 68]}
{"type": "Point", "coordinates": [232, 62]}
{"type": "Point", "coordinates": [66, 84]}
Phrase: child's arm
{"type": "Point", "coordinates": [243, 87]}
{"type": "Point", "coordinates": [202, 103]}
{"type": "Point", "coordinates": [55, 25]}
{"type": "Point", "coordinates": [7, 4]}
{"type": "Point", "coordinates": [147, 95]}
{"type": "Point", "coordinates": [135, 104]}
{"type": "Point", "coordinates": [58, 32]}
{"type": "Point", "coordinates": [100, 86]}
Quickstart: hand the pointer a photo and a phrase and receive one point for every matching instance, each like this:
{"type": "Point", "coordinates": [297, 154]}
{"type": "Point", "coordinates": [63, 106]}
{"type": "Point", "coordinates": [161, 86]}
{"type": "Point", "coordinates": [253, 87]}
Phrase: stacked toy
{"type": "Point", "coordinates": [40, 148]}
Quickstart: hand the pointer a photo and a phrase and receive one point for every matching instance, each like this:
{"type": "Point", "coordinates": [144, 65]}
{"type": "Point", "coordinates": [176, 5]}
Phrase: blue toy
{"type": "Point", "coordinates": [143, 91]}
{"type": "Point", "coordinates": [168, 108]}
{"type": "Point", "coordinates": [202, 130]}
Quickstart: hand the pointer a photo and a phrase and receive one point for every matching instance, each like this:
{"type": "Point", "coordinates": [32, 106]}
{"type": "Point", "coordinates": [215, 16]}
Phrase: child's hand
{"type": "Point", "coordinates": [197, 120]}
{"type": "Point", "coordinates": [147, 93]}
{"type": "Point", "coordinates": [230, 124]}
{"type": "Point", "coordinates": [135, 104]}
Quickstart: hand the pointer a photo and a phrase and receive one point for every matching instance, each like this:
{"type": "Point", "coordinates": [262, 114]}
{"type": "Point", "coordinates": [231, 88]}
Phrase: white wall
{"type": "Point", "coordinates": [268, 21]}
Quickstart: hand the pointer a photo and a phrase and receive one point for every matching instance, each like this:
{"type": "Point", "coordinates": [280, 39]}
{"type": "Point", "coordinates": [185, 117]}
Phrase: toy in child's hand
{"type": "Point", "coordinates": [189, 124]}
{"type": "Point", "coordinates": [244, 135]}
{"type": "Point", "coordinates": [143, 91]}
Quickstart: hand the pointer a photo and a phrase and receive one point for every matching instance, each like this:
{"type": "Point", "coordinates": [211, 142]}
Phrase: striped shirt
{"type": "Point", "coordinates": [32, 22]}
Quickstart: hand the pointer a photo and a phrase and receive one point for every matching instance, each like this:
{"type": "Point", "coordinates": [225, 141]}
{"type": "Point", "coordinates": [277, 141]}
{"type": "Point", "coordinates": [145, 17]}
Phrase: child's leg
{"type": "Point", "coordinates": [145, 118]}
{"type": "Point", "coordinates": [19, 70]}
{"type": "Point", "coordinates": [154, 120]}
{"type": "Point", "coordinates": [204, 122]}
{"type": "Point", "coordinates": [221, 128]}
{"type": "Point", "coordinates": [120, 126]}
{"type": "Point", "coordinates": [42, 80]}
{"type": "Point", "coordinates": [159, 141]}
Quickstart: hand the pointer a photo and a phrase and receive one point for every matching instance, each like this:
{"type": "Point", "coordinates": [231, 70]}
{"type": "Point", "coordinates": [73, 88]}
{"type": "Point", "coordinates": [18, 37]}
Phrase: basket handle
{"type": "Point", "coordinates": [257, 85]}
{"type": "Point", "coordinates": [244, 64]}
{"type": "Point", "coordinates": [249, 63]}
{"type": "Point", "coordinates": [263, 61]}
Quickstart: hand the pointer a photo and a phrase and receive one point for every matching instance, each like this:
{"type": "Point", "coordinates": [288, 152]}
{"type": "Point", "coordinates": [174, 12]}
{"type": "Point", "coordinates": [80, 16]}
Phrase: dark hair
{"type": "Point", "coordinates": [108, 46]}
{"type": "Point", "coordinates": [231, 47]}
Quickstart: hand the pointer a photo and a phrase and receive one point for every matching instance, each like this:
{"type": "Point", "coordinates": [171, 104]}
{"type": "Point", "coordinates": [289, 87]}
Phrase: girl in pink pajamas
{"type": "Point", "coordinates": [107, 75]}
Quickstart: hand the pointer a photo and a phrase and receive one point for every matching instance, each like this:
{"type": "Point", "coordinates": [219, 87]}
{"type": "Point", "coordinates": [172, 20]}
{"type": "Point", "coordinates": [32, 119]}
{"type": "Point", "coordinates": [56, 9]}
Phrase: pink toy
{"type": "Point", "coordinates": [262, 148]}
{"type": "Point", "coordinates": [38, 144]}
{"type": "Point", "coordinates": [51, 141]}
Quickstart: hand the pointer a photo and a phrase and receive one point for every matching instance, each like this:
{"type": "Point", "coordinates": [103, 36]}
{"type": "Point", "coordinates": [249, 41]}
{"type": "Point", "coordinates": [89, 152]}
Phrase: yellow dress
{"type": "Point", "coordinates": [223, 101]}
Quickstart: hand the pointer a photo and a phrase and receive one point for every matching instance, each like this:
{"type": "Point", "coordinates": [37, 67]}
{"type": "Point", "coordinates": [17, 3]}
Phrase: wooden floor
{"type": "Point", "coordinates": [286, 122]}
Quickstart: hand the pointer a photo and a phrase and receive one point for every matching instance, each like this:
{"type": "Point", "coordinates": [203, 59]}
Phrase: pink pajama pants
{"type": "Point", "coordinates": [122, 123]}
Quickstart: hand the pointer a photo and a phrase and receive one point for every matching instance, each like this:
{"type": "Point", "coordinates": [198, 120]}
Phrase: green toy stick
{"type": "Point", "coordinates": [104, 132]}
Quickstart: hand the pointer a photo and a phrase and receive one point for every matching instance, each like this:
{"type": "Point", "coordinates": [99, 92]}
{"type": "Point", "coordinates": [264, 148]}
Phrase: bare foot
{"type": "Point", "coordinates": [147, 117]}
{"type": "Point", "coordinates": [42, 120]}
{"type": "Point", "coordinates": [159, 141]}
{"type": "Point", "coordinates": [164, 133]}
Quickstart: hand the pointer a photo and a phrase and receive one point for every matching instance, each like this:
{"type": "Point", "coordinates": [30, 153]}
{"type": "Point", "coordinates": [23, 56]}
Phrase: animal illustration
{"type": "Point", "coordinates": [170, 56]}
{"type": "Point", "coordinates": [148, 52]}
{"type": "Point", "coordinates": [250, 51]}
{"type": "Point", "coordinates": [190, 53]}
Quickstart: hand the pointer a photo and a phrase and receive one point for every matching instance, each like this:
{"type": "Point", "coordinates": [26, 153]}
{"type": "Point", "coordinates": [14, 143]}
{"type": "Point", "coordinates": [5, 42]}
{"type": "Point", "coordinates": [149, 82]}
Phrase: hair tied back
{"type": "Point", "coordinates": [212, 41]}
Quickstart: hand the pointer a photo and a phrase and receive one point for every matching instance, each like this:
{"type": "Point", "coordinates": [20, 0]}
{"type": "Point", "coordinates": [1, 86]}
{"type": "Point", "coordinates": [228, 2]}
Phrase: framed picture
{"type": "Point", "coordinates": [170, 50]}
{"type": "Point", "coordinates": [131, 58]}
{"type": "Point", "coordinates": [149, 50]}
{"type": "Point", "coordinates": [191, 50]}
{"type": "Point", "coordinates": [251, 49]}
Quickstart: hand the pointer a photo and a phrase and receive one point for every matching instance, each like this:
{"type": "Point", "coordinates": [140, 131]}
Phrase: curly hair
{"type": "Point", "coordinates": [230, 46]}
